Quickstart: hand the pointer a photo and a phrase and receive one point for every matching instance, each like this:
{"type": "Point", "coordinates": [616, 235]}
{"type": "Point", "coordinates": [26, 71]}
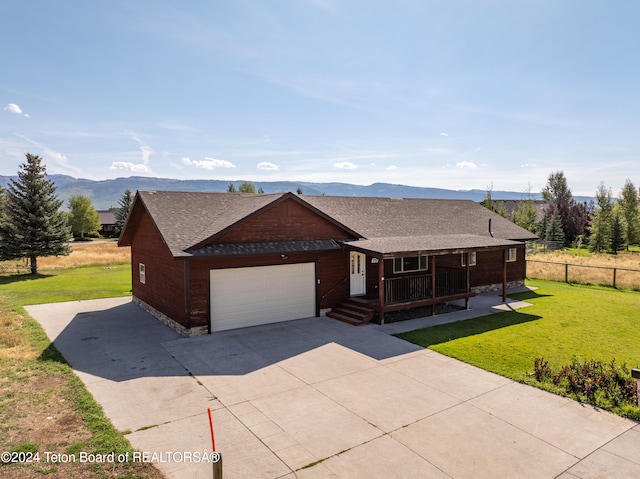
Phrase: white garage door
{"type": "Point", "coordinates": [243, 297]}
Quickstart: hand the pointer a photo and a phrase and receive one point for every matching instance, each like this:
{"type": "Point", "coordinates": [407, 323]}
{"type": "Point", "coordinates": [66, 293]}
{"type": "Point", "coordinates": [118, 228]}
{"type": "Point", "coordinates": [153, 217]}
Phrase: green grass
{"type": "Point", "coordinates": [42, 360]}
{"type": "Point", "coordinates": [566, 321]}
{"type": "Point", "coordinates": [88, 282]}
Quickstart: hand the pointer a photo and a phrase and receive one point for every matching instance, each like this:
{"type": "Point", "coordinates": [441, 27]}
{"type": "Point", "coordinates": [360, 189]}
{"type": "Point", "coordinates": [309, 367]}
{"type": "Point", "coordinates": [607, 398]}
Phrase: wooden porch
{"type": "Point", "coordinates": [406, 292]}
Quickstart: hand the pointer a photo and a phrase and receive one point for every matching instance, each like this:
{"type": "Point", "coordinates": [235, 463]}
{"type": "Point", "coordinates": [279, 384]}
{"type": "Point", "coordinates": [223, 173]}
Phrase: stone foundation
{"type": "Point", "coordinates": [177, 327]}
{"type": "Point", "coordinates": [496, 287]}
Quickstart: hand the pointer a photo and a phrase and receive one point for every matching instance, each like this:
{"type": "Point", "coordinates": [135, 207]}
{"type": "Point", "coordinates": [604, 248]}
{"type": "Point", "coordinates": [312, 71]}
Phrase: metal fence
{"type": "Point", "coordinates": [579, 273]}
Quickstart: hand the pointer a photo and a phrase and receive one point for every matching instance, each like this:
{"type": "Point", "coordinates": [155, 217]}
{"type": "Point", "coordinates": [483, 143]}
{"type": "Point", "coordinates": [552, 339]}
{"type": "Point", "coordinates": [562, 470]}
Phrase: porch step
{"type": "Point", "coordinates": [352, 312]}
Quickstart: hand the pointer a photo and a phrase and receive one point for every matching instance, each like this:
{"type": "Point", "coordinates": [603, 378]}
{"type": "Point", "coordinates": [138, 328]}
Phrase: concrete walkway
{"type": "Point", "coordinates": [316, 398]}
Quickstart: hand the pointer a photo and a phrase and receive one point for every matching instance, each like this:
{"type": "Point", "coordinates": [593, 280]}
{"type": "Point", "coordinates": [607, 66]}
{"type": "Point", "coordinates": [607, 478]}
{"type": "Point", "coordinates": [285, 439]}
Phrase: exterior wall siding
{"type": "Point", "coordinates": [284, 222]}
{"type": "Point", "coordinates": [331, 271]}
{"type": "Point", "coordinates": [164, 276]}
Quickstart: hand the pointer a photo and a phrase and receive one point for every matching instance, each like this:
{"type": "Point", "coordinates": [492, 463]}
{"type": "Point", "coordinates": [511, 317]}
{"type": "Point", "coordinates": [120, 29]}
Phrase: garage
{"type": "Point", "coordinates": [242, 297]}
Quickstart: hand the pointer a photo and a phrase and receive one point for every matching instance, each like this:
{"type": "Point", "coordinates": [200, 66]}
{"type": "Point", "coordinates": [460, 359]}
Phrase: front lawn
{"type": "Point", "coordinates": [565, 322]}
{"type": "Point", "coordinates": [44, 406]}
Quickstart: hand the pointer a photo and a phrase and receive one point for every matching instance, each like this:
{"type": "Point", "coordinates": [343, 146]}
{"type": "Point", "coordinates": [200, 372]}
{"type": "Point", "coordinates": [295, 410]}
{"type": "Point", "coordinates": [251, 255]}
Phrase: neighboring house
{"type": "Point", "coordinates": [108, 222]}
{"type": "Point", "coordinates": [205, 262]}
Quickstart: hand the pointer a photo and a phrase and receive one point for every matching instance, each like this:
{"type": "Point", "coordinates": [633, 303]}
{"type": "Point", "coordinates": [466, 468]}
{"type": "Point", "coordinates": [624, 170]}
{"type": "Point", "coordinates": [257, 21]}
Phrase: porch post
{"type": "Point", "coordinates": [468, 270]}
{"type": "Point", "coordinates": [381, 289]}
{"type": "Point", "coordinates": [504, 275]}
{"type": "Point", "coordinates": [432, 259]}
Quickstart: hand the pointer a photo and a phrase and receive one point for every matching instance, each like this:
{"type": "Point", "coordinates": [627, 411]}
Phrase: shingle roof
{"type": "Point", "coordinates": [427, 244]}
{"type": "Point", "coordinates": [187, 219]}
{"type": "Point", "coordinates": [391, 217]}
{"type": "Point", "coordinates": [268, 247]}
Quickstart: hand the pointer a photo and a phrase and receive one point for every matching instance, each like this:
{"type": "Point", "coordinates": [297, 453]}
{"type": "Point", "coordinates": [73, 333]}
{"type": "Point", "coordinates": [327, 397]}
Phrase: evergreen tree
{"type": "Point", "coordinates": [628, 202]}
{"type": "Point", "coordinates": [83, 217]}
{"type": "Point", "coordinates": [542, 227]}
{"type": "Point", "coordinates": [554, 230]}
{"type": "Point", "coordinates": [32, 225]}
{"type": "Point", "coordinates": [260, 191]}
{"type": "Point", "coordinates": [124, 205]}
{"type": "Point", "coordinates": [488, 199]}
{"type": "Point", "coordinates": [502, 209]}
{"type": "Point", "coordinates": [231, 188]}
{"type": "Point", "coordinates": [557, 188]}
{"type": "Point", "coordinates": [526, 215]}
{"type": "Point", "coordinates": [618, 237]}
{"type": "Point", "coordinates": [600, 225]}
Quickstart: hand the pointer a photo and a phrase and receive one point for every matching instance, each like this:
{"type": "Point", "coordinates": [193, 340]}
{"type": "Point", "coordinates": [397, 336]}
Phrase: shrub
{"type": "Point", "coordinates": [606, 385]}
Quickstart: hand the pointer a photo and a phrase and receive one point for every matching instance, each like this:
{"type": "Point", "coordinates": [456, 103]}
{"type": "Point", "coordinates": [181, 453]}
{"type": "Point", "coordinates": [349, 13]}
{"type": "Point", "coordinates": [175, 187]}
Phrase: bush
{"type": "Point", "coordinates": [609, 386]}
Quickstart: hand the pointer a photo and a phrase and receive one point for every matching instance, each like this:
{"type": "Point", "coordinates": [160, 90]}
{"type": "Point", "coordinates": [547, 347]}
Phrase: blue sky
{"type": "Point", "coordinates": [449, 94]}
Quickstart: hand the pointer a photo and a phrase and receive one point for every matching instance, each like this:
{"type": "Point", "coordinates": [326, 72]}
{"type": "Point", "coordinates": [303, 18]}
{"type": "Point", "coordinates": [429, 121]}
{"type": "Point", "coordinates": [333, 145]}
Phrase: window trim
{"type": "Point", "coordinates": [420, 261]}
{"type": "Point", "coordinates": [473, 258]}
{"type": "Point", "coordinates": [512, 255]}
{"type": "Point", "coordinates": [142, 273]}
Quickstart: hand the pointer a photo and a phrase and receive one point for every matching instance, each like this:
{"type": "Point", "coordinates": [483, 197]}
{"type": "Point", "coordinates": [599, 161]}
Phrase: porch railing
{"type": "Point", "coordinates": [449, 281]}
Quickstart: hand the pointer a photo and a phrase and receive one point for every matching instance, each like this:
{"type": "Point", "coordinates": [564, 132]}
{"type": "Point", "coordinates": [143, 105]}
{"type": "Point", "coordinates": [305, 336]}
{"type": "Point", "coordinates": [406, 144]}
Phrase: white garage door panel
{"type": "Point", "coordinates": [243, 297]}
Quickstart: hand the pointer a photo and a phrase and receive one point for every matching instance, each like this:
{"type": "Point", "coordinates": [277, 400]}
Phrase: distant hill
{"type": "Point", "coordinates": [107, 193]}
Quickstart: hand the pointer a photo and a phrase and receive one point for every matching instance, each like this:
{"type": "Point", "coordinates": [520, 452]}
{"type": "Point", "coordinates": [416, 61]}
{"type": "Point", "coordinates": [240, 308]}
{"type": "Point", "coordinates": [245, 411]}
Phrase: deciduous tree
{"type": "Point", "coordinates": [83, 217]}
{"type": "Point", "coordinates": [32, 225]}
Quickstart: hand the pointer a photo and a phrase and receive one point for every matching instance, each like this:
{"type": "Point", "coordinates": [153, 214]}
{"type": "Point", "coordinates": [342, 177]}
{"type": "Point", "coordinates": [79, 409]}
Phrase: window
{"type": "Point", "coordinates": [472, 258]}
{"type": "Point", "coordinates": [141, 270]}
{"type": "Point", "coordinates": [407, 264]}
{"type": "Point", "coordinates": [511, 254]}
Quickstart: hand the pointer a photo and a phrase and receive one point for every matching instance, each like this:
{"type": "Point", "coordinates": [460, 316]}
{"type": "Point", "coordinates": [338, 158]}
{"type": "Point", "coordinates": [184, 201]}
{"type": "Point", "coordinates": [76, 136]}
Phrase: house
{"type": "Point", "coordinates": [206, 262]}
{"type": "Point", "coordinates": [108, 222]}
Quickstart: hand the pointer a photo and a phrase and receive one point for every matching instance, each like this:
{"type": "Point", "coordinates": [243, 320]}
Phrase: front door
{"type": "Point", "coordinates": [357, 276]}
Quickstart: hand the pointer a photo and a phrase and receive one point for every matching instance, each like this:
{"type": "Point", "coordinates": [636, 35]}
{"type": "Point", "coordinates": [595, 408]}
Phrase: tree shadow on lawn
{"type": "Point", "coordinates": [15, 278]}
{"type": "Point", "coordinates": [448, 332]}
{"type": "Point", "coordinates": [531, 294]}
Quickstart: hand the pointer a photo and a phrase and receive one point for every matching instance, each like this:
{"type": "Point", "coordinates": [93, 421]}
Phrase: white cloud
{"type": "Point", "coordinates": [391, 168]}
{"type": "Point", "coordinates": [444, 134]}
{"type": "Point", "coordinates": [125, 165]}
{"type": "Point", "coordinates": [144, 148]}
{"type": "Point", "coordinates": [466, 164]}
{"type": "Point", "coordinates": [13, 108]}
{"type": "Point", "coordinates": [528, 165]}
{"type": "Point", "coordinates": [265, 165]}
{"type": "Point", "coordinates": [208, 163]}
{"type": "Point", "coordinates": [345, 165]}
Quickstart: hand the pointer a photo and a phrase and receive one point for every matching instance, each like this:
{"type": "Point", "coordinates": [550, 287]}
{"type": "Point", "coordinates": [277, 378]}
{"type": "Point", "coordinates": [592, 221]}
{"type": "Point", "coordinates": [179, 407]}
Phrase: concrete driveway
{"type": "Point", "coordinates": [316, 398]}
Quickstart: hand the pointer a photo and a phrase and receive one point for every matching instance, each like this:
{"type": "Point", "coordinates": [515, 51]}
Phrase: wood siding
{"type": "Point", "coordinates": [164, 275]}
{"type": "Point", "coordinates": [285, 221]}
{"type": "Point", "coordinates": [331, 271]}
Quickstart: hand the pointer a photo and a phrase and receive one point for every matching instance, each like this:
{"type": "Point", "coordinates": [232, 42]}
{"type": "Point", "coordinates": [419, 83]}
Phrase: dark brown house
{"type": "Point", "coordinates": [206, 262]}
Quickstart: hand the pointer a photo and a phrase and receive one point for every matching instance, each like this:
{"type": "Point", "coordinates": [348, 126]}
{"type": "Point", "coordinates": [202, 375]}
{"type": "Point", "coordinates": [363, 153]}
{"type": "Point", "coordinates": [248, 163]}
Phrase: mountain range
{"type": "Point", "coordinates": [106, 193]}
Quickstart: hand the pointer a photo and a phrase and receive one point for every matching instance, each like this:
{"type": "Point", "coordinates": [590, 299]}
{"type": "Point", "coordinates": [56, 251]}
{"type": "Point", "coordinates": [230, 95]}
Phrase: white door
{"type": "Point", "coordinates": [243, 297]}
{"type": "Point", "coordinates": [357, 276]}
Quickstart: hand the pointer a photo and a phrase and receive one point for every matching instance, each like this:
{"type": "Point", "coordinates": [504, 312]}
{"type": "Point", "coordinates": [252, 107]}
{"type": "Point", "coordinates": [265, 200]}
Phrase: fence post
{"type": "Point", "coordinates": [614, 277]}
{"type": "Point", "coordinates": [566, 272]}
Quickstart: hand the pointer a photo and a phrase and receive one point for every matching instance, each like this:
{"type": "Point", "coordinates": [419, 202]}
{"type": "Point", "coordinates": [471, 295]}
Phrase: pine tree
{"type": "Point", "coordinates": [628, 202]}
{"type": "Point", "coordinates": [554, 229]}
{"type": "Point", "coordinates": [32, 225]}
{"type": "Point", "coordinates": [231, 188]}
{"type": "Point", "coordinates": [526, 215]}
{"type": "Point", "coordinates": [600, 225]}
{"type": "Point", "coordinates": [124, 205]}
{"type": "Point", "coordinates": [618, 237]}
{"type": "Point", "coordinates": [542, 227]}
{"type": "Point", "coordinates": [83, 217]}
